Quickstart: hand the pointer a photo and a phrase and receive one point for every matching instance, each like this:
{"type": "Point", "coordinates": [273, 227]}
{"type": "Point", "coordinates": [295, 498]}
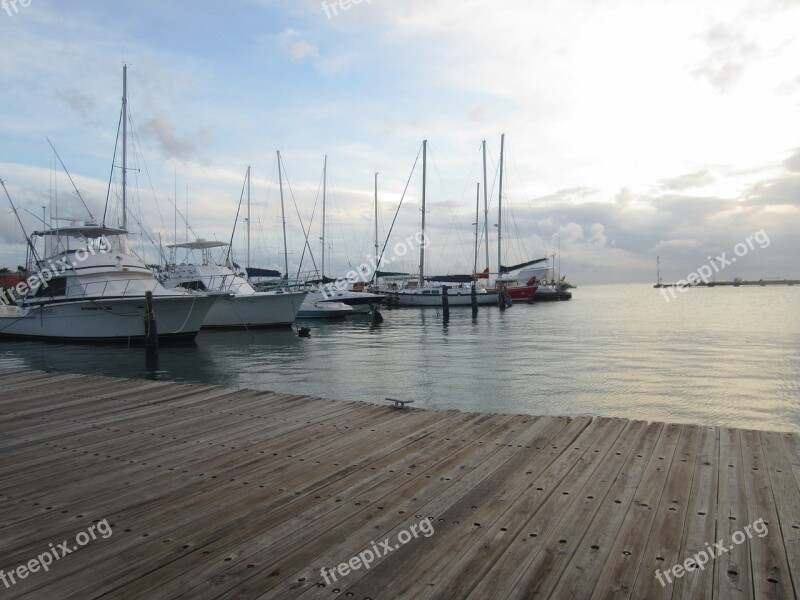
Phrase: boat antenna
{"type": "Point", "coordinates": [77, 191]}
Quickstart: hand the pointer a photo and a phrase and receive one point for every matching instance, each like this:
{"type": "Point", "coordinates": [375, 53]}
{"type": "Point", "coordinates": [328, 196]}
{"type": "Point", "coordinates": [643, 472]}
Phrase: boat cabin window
{"type": "Point", "coordinates": [196, 285]}
{"type": "Point", "coordinates": [57, 286]}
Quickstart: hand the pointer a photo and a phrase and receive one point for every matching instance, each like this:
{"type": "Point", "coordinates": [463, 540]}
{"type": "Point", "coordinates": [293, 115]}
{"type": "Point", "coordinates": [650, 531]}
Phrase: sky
{"type": "Point", "coordinates": [633, 129]}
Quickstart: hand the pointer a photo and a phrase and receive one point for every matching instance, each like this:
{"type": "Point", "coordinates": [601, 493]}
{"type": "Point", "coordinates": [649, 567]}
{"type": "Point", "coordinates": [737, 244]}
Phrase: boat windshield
{"type": "Point", "coordinates": [91, 238]}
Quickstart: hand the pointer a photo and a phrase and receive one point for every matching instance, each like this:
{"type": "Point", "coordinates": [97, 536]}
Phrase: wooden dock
{"type": "Point", "coordinates": [222, 493]}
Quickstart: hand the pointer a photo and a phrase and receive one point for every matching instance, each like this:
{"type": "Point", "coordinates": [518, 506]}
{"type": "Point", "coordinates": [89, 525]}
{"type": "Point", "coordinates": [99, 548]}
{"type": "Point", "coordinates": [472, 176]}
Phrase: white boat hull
{"type": "Point", "coordinates": [107, 319]}
{"type": "Point", "coordinates": [267, 309]}
{"type": "Point", "coordinates": [455, 297]}
{"type": "Point", "coordinates": [360, 302]}
{"type": "Point", "coordinates": [323, 310]}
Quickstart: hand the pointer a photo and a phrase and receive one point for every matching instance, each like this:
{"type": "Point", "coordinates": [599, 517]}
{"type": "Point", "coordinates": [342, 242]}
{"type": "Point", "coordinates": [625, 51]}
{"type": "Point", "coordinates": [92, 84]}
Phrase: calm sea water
{"type": "Point", "coordinates": [721, 356]}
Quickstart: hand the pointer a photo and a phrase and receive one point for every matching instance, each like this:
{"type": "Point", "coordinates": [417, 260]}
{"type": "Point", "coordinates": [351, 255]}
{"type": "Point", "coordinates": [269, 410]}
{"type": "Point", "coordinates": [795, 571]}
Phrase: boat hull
{"type": "Point", "coordinates": [549, 294]}
{"type": "Point", "coordinates": [267, 309]}
{"type": "Point", "coordinates": [107, 319]}
{"type": "Point", "coordinates": [455, 297]}
{"type": "Point", "coordinates": [324, 310]}
{"type": "Point", "coordinates": [360, 302]}
{"type": "Point", "coordinates": [521, 293]}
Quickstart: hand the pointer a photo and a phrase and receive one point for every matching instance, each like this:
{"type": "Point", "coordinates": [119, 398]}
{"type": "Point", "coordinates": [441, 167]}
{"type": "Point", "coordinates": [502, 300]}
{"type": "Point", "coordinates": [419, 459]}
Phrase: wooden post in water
{"type": "Point", "coordinates": [445, 303]}
{"type": "Point", "coordinates": [150, 328]}
{"type": "Point", "coordinates": [474, 294]}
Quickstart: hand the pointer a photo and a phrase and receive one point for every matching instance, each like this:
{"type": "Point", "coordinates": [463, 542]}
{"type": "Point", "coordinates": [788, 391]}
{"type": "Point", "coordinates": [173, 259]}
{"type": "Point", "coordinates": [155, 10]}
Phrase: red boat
{"type": "Point", "coordinates": [522, 291]}
{"type": "Point", "coordinates": [515, 288]}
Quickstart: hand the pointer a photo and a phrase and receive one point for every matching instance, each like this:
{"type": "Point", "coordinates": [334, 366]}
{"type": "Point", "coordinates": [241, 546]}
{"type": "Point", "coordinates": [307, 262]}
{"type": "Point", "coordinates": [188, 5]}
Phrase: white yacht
{"type": "Point", "coordinates": [88, 286]}
{"type": "Point", "coordinates": [244, 307]}
{"type": "Point", "coordinates": [360, 302]}
{"type": "Point", "coordinates": [432, 296]}
{"type": "Point", "coordinates": [323, 310]}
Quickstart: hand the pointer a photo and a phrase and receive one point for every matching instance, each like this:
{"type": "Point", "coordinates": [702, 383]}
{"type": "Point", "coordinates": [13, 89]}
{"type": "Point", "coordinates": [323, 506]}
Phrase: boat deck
{"type": "Point", "coordinates": [231, 493]}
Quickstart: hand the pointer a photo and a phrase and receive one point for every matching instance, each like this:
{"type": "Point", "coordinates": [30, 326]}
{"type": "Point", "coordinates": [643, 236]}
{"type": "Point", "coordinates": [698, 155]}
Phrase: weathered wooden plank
{"type": "Point", "coordinates": [733, 574]}
{"type": "Point", "coordinates": [621, 569]}
{"type": "Point", "coordinates": [701, 520]}
{"type": "Point", "coordinates": [786, 493]}
{"type": "Point", "coordinates": [219, 493]}
{"type": "Point", "coordinates": [771, 576]}
{"type": "Point", "coordinates": [578, 578]}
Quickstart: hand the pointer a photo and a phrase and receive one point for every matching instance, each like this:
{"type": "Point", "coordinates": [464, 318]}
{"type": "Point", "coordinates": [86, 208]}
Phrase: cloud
{"type": "Point", "coordinates": [161, 131]}
{"type": "Point", "coordinates": [678, 245]}
{"type": "Point", "coordinates": [292, 44]}
{"type": "Point", "coordinates": [597, 235]}
{"type": "Point", "coordinates": [793, 162]}
{"type": "Point", "coordinates": [78, 101]}
{"type": "Point", "coordinates": [728, 58]}
{"type": "Point", "coordinates": [687, 181]}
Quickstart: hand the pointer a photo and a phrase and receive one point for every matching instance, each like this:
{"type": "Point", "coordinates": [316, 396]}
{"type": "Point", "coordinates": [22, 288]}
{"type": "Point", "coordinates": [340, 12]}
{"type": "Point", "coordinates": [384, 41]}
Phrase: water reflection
{"type": "Point", "coordinates": [717, 356]}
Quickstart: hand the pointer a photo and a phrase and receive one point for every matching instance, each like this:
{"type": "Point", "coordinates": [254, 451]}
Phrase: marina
{"type": "Point", "coordinates": [214, 492]}
{"type": "Point", "coordinates": [380, 300]}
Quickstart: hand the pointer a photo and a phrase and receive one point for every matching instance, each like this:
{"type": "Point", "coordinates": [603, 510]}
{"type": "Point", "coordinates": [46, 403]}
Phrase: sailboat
{"type": "Point", "coordinates": [359, 301]}
{"type": "Point", "coordinates": [426, 294]}
{"type": "Point", "coordinates": [243, 307]}
{"type": "Point", "coordinates": [87, 285]}
{"type": "Point", "coordinates": [309, 309]}
{"type": "Point", "coordinates": [520, 287]}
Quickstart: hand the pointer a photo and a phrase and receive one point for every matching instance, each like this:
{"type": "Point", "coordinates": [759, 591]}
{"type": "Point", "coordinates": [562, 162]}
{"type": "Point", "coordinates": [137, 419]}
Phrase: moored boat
{"type": "Point", "coordinates": [243, 307]}
{"type": "Point", "coordinates": [92, 288]}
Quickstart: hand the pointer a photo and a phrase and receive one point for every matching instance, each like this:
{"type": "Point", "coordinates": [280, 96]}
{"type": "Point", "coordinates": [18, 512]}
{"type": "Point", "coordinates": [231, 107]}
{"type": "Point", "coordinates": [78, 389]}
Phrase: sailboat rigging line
{"type": "Point", "coordinates": [305, 234]}
{"type": "Point", "coordinates": [391, 227]}
{"type": "Point", "coordinates": [335, 197]}
{"type": "Point", "coordinates": [138, 144]}
{"type": "Point", "coordinates": [313, 213]}
{"type": "Point", "coordinates": [25, 233]}
{"type": "Point", "coordinates": [453, 216]}
{"type": "Point", "coordinates": [35, 216]}
{"type": "Point", "coordinates": [520, 239]}
{"type": "Point", "coordinates": [77, 191]}
{"type": "Point", "coordinates": [111, 175]}
{"type": "Point", "coordinates": [235, 221]}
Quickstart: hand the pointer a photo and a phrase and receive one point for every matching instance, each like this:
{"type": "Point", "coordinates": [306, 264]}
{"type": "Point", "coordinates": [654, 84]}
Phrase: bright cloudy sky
{"type": "Point", "coordinates": [633, 128]}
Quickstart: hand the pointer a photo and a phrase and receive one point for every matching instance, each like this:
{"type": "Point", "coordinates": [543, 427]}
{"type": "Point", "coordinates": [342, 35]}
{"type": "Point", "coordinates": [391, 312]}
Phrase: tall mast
{"type": "Point", "coordinates": [248, 216]}
{"type": "Point", "coordinates": [283, 218]}
{"type": "Point", "coordinates": [124, 146]}
{"type": "Point", "coordinates": [477, 220]}
{"type": "Point", "coordinates": [424, 183]}
{"type": "Point", "coordinates": [376, 219]}
{"type": "Point", "coordinates": [500, 209]}
{"type": "Point", "coordinates": [324, 194]}
{"type": "Point", "coordinates": [485, 208]}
